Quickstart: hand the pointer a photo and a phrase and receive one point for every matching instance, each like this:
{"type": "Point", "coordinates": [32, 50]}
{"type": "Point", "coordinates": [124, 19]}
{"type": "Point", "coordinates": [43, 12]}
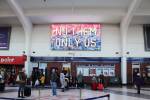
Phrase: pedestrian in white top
{"type": "Point", "coordinates": [62, 81]}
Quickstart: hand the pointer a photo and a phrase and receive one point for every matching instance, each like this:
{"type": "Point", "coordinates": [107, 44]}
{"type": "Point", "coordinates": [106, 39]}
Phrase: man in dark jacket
{"type": "Point", "coordinates": [54, 78]}
{"type": "Point", "coordinates": [138, 82]}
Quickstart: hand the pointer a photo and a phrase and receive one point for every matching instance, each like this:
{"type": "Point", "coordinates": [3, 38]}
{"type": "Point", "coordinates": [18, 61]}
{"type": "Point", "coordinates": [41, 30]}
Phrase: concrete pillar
{"type": "Point", "coordinates": [27, 26]}
{"type": "Point", "coordinates": [27, 51]}
{"type": "Point", "coordinates": [124, 70]}
{"type": "Point", "coordinates": [124, 29]}
{"type": "Point", "coordinates": [124, 58]}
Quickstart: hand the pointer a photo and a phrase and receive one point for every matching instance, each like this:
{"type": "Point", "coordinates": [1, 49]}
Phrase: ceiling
{"type": "Point", "coordinates": [74, 11]}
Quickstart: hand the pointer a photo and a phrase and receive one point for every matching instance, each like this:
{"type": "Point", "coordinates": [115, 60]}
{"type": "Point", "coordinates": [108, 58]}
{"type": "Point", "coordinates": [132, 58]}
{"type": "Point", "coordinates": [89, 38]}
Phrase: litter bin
{"type": "Point", "coordinates": [114, 81]}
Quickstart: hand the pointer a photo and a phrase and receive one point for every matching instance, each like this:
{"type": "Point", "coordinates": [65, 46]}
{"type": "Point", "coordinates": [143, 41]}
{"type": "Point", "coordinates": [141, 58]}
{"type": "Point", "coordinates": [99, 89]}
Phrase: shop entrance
{"type": "Point", "coordinates": [10, 72]}
{"type": "Point", "coordinates": [135, 70]}
{"type": "Point", "coordinates": [66, 67]}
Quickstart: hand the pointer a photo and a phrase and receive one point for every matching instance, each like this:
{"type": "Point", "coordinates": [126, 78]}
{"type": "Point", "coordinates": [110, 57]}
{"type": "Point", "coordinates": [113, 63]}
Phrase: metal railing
{"type": "Point", "coordinates": [94, 98]}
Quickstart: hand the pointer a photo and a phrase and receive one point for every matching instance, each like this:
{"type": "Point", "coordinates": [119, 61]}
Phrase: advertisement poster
{"type": "Point", "coordinates": [92, 71]}
{"type": "Point", "coordinates": [86, 37]}
{"type": "Point", "coordinates": [111, 71]}
{"type": "Point", "coordinates": [99, 71]}
{"type": "Point", "coordinates": [79, 69]}
{"type": "Point", "coordinates": [42, 65]}
{"type": "Point", "coordinates": [4, 38]}
{"type": "Point", "coordinates": [105, 71]}
{"type": "Point", "coordinates": [85, 71]}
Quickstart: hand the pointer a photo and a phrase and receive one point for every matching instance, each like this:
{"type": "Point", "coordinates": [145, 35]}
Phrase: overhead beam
{"type": "Point", "coordinates": [55, 11]}
{"type": "Point", "coordinates": [64, 11]}
{"type": "Point", "coordinates": [130, 13]}
{"type": "Point", "coordinates": [27, 25]}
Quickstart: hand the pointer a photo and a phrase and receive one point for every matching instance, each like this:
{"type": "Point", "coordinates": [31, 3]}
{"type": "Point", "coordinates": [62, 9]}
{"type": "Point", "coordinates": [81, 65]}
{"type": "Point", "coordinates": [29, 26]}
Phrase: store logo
{"type": "Point", "coordinates": [6, 60]}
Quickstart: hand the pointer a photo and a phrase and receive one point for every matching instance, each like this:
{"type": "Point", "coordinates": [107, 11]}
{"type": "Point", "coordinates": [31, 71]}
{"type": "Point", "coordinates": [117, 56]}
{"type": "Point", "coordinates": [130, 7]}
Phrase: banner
{"type": "Point", "coordinates": [4, 38]}
{"type": "Point", "coordinates": [15, 60]}
{"type": "Point", "coordinates": [75, 37]}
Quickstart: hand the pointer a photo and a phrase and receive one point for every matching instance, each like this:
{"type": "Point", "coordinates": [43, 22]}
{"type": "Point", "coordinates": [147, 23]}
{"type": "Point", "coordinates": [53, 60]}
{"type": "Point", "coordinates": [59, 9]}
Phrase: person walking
{"type": "Point", "coordinates": [53, 82]}
{"type": "Point", "coordinates": [21, 80]}
{"type": "Point", "coordinates": [62, 81]}
{"type": "Point", "coordinates": [94, 83]}
{"type": "Point", "coordinates": [42, 80]}
{"type": "Point", "coordinates": [138, 82]}
{"type": "Point", "coordinates": [80, 80]}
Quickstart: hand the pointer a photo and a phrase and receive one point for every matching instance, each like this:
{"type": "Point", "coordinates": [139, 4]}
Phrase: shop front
{"type": "Point", "coordinates": [138, 65]}
{"type": "Point", "coordinates": [89, 66]}
{"type": "Point", "coordinates": [10, 66]}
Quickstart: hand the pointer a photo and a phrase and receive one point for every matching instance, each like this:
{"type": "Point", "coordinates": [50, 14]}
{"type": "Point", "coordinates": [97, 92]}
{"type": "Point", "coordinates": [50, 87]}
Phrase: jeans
{"type": "Point", "coordinates": [54, 87]}
{"type": "Point", "coordinates": [21, 91]}
{"type": "Point", "coordinates": [138, 89]}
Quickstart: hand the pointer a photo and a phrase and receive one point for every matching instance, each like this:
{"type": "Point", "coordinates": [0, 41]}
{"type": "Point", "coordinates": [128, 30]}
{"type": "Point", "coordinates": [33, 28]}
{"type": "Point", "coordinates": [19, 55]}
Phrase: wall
{"type": "Point", "coordinates": [17, 42]}
{"type": "Point", "coordinates": [110, 43]}
{"type": "Point", "coordinates": [135, 42]}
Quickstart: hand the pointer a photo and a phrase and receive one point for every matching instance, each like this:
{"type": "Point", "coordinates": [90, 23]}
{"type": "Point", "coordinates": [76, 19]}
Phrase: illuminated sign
{"type": "Point", "coordinates": [4, 37]}
{"type": "Point", "coordinates": [75, 37]}
{"type": "Point", "coordinates": [12, 60]}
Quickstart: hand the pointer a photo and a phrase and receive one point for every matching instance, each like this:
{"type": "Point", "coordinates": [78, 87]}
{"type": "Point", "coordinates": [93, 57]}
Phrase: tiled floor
{"type": "Point", "coordinates": [116, 93]}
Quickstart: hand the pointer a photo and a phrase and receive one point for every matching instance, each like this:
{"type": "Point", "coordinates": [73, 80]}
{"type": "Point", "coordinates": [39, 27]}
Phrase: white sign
{"type": "Point", "coordinates": [79, 69]}
{"type": "Point", "coordinates": [99, 71]}
{"type": "Point", "coordinates": [111, 71]}
{"type": "Point", "coordinates": [105, 71]}
{"type": "Point", "coordinates": [85, 71]}
{"type": "Point", "coordinates": [42, 65]}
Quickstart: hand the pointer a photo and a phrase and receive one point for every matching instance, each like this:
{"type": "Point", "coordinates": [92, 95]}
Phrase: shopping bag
{"type": "Point", "coordinates": [17, 79]}
{"type": "Point", "coordinates": [37, 82]}
{"type": "Point", "coordinates": [100, 86]}
{"type": "Point", "coordinates": [94, 86]}
{"type": "Point", "coordinates": [135, 86]}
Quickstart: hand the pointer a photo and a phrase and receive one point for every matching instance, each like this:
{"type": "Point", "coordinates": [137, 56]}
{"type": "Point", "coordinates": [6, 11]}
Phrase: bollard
{"type": "Point", "coordinates": [108, 96]}
{"type": "Point", "coordinates": [80, 94]}
{"type": "Point", "coordinates": [39, 93]}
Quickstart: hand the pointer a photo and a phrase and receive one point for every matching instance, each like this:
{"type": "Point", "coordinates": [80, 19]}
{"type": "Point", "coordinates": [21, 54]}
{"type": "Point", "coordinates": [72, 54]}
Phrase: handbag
{"type": "Point", "coordinates": [37, 82]}
{"type": "Point", "coordinates": [135, 86]}
{"type": "Point", "coordinates": [17, 79]}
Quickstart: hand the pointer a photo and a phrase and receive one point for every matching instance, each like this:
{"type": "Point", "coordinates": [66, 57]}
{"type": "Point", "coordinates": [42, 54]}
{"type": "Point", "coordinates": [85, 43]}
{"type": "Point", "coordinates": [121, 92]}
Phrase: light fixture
{"type": "Point", "coordinates": [117, 52]}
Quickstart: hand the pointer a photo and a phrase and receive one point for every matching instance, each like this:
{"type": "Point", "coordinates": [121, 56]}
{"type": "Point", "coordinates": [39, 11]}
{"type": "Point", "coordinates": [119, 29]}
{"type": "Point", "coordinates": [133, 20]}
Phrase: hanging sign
{"type": "Point", "coordinates": [4, 38]}
{"type": "Point", "coordinates": [75, 37]}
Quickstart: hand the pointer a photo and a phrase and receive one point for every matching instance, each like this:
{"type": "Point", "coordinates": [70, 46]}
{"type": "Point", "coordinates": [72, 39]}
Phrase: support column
{"type": "Point", "coordinates": [27, 51]}
{"type": "Point", "coordinates": [27, 26]}
{"type": "Point", "coordinates": [124, 70]}
{"type": "Point", "coordinates": [124, 25]}
{"type": "Point", "coordinates": [123, 58]}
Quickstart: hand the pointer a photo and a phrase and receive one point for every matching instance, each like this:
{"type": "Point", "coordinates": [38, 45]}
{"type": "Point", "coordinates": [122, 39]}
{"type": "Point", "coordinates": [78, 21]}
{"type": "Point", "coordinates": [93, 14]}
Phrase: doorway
{"type": "Point", "coordinates": [135, 70]}
{"type": "Point", "coordinates": [66, 67]}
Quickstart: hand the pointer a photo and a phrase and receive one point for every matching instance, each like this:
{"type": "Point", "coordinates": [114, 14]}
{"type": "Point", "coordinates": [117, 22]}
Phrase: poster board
{"type": "Point", "coordinates": [99, 71]}
{"type": "Point", "coordinates": [111, 71]}
{"type": "Point", "coordinates": [79, 69]}
{"type": "Point", "coordinates": [85, 71]}
{"type": "Point", "coordinates": [42, 65]}
{"type": "Point", "coordinates": [92, 71]}
{"type": "Point", "coordinates": [105, 71]}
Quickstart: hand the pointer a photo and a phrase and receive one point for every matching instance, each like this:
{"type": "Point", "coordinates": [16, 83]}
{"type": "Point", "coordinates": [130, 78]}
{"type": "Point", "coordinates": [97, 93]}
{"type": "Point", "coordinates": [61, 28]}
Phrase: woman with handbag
{"type": "Point", "coordinates": [21, 80]}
